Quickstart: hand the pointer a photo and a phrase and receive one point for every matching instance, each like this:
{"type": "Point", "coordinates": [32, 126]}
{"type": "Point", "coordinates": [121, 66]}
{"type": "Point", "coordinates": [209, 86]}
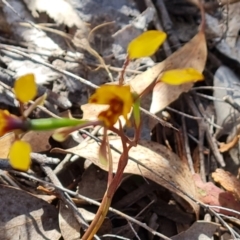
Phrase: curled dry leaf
{"type": "Point", "coordinates": [210, 194]}
{"type": "Point", "coordinates": [224, 147]}
{"type": "Point", "coordinates": [154, 156]}
{"type": "Point", "coordinates": [227, 181]}
{"type": "Point", "coordinates": [192, 55]}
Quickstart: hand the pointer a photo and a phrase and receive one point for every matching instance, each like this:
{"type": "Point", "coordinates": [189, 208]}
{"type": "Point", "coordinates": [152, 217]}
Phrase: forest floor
{"type": "Point", "coordinates": [182, 179]}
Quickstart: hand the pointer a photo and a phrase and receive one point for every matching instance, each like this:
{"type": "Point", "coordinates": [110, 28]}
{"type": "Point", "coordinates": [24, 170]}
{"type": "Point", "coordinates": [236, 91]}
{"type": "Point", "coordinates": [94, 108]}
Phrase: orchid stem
{"type": "Point", "coordinates": [125, 64]}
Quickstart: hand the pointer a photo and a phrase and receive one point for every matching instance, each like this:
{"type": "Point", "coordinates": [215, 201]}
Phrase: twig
{"type": "Point", "coordinates": [186, 144]}
{"type": "Point", "coordinates": [64, 197]}
{"type": "Point", "coordinates": [134, 231]}
{"type": "Point", "coordinates": [211, 140]}
{"type": "Point", "coordinates": [228, 99]}
{"type": "Point", "coordinates": [43, 159]}
{"type": "Point", "coordinates": [214, 88]}
{"type": "Point", "coordinates": [184, 114]}
{"type": "Point", "coordinates": [113, 236]}
{"type": "Point", "coordinates": [167, 23]}
{"type": "Point", "coordinates": [201, 133]}
{"type": "Point", "coordinates": [8, 179]}
{"type": "Point", "coordinates": [82, 80]}
{"type": "Point", "coordinates": [62, 164]}
{"type": "Point", "coordinates": [143, 225]}
{"type": "Point", "coordinates": [209, 97]}
{"type": "Point", "coordinates": [161, 121]}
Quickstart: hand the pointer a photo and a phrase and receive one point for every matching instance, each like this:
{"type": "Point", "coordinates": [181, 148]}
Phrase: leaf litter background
{"type": "Point", "coordinates": [175, 175]}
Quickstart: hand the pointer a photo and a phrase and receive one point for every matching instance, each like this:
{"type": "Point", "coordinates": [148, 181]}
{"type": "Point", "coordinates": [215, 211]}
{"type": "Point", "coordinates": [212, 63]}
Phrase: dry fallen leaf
{"type": "Point", "coordinates": [227, 181]}
{"type": "Point", "coordinates": [24, 216]}
{"type": "Point", "coordinates": [210, 194]}
{"type": "Point", "coordinates": [5, 144]}
{"type": "Point", "coordinates": [93, 183]}
{"type": "Point", "coordinates": [68, 224]}
{"type": "Point", "coordinates": [153, 155]}
{"type": "Point", "coordinates": [38, 140]}
{"type": "Point", "coordinates": [224, 147]}
{"type": "Point", "coordinates": [199, 230]}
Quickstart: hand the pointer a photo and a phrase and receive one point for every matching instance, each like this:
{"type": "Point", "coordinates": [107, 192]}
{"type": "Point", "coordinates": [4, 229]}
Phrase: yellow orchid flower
{"type": "Point", "coordinates": [120, 101]}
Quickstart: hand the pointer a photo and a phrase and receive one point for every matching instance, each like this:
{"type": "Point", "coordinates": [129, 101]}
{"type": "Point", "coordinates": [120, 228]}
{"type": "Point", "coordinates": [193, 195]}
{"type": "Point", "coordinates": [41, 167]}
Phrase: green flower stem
{"type": "Point", "coordinates": [54, 123]}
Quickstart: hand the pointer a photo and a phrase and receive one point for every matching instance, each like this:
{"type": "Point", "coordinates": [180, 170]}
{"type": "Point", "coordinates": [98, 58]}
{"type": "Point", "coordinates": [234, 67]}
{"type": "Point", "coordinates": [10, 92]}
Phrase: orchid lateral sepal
{"type": "Point", "coordinates": [61, 134]}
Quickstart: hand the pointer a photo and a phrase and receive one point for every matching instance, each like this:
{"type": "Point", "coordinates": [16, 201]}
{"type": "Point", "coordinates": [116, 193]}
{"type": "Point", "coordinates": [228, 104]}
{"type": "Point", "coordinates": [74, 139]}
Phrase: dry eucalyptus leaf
{"type": "Point", "coordinates": [24, 216]}
{"type": "Point", "coordinates": [38, 140]}
{"type": "Point", "coordinates": [87, 215]}
{"type": "Point", "coordinates": [93, 183]}
{"type": "Point", "coordinates": [69, 226]}
{"type": "Point", "coordinates": [153, 155]}
{"type": "Point", "coordinates": [5, 144]}
{"type": "Point", "coordinates": [200, 230]}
